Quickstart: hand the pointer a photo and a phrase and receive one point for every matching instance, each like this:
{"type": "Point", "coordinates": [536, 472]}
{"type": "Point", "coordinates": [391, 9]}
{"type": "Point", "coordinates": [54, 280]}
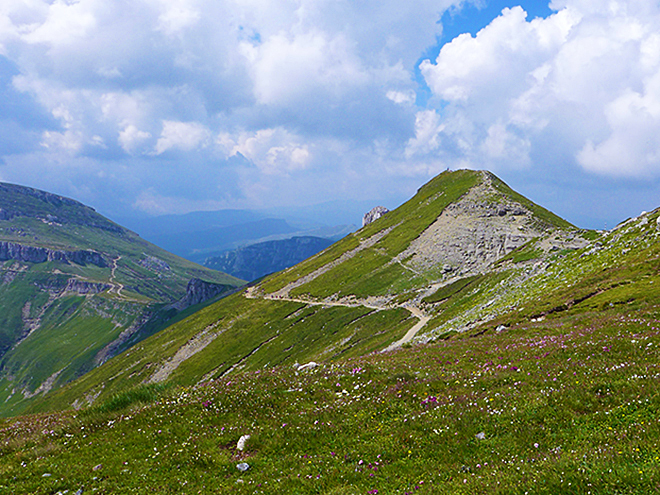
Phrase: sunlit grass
{"type": "Point", "coordinates": [569, 405]}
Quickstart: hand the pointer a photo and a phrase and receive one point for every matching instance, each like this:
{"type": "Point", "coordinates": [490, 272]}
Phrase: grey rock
{"type": "Point", "coordinates": [241, 442]}
{"type": "Point", "coordinates": [243, 466]}
{"type": "Point", "coordinates": [199, 291]}
{"type": "Point", "coordinates": [374, 215]}
{"type": "Point", "coordinates": [33, 254]}
{"type": "Point", "coordinates": [155, 264]}
{"type": "Point", "coordinates": [309, 366]}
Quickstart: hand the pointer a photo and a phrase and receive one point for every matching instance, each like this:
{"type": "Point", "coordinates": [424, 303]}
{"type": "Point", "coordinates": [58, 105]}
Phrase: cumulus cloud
{"type": "Point", "coordinates": [150, 77]}
{"type": "Point", "coordinates": [131, 138]}
{"type": "Point", "coordinates": [184, 136]}
{"type": "Point", "coordinates": [264, 97]}
{"type": "Point", "coordinates": [586, 75]}
{"type": "Point", "coordinates": [273, 151]}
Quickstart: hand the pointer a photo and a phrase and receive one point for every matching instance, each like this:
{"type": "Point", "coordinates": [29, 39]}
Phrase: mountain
{"type": "Point", "coordinates": [200, 235]}
{"type": "Point", "coordinates": [406, 274]}
{"type": "Point", "coordinates": [76, 288]}
{"type": "Point", "coordinates": [256, 260]}
{"type": "Point", "coordinates": [468, 341]}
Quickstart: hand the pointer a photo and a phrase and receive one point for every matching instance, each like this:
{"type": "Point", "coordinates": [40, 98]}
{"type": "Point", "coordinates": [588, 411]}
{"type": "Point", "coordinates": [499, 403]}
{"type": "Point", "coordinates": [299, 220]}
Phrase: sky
{"type": "Point", "coordinates": [149, 107]}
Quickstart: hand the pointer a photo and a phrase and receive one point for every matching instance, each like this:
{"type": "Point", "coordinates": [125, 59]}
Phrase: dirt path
{"type": "Point", "coordinates": [251, 293]}
{"type": "Point", "coordinates": [410, 334]}
{"type": "Point", "coordinates": [117, 287]}
{"type": "Point", "coordinates": [284, 292]}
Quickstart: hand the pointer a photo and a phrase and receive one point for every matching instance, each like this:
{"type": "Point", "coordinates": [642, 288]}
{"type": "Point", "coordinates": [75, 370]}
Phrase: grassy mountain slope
{"type": "Point", "coordinates": [539, 371]}
{"type": "Point", "coordinates": [74, 287]}
{"type": "Point", "coordinates": [358, 296]}
{"type": "Point", "coordinates": [567, 405]}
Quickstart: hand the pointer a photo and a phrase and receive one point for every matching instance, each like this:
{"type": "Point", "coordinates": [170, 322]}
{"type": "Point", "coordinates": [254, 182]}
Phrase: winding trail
{"type": "Point", "coordinates": [117, 287]}
{"type": "Point", "coordinates": [283, 293]}
{"type": "Point", "coordinates": [415, 311]}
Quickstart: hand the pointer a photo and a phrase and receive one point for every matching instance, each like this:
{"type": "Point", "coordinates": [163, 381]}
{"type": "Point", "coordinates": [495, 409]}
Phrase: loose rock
{"type": "Point", "coordinates": [309, 366]}
{"type": "Point", "coordinates": [241, 442]}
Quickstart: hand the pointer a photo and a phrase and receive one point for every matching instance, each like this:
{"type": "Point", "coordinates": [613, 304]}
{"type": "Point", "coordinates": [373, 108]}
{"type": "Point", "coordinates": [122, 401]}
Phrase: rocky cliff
{"type": "Point", "coordinates": [257, 260]}
{"type": "Point", "coordinates": [33, 254]}
{"type": "Point", "coordinates": [199, 291]}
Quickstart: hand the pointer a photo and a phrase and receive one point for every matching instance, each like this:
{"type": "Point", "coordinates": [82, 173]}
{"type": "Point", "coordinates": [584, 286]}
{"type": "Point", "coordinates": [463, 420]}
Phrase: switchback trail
{"type": "Point", "coordinates": [117, 287]}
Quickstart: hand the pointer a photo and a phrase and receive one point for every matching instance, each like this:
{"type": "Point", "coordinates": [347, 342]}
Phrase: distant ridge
{"type": "Point", "coordinates": [75, 289]}
{"type": "Point", "coordinates": [256, 260]}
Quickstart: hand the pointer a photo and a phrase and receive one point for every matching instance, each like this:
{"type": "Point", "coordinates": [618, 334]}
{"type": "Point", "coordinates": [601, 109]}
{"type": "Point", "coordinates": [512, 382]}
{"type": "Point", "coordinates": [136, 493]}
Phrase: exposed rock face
{"type": "Point", "coordinates": [199, 291]}
{"type": "Point", "coordinates": [32, 254]}
{"type": "Point", "coordinates": [257, 260]}
{"type": "Point", "coordinates": [82, 287]}
{"type": "Point", "coordinates": [155, 264]}
{"type": "Point", "coordinates": [473, 233]}
{"type": "Point", "coordinates": [374, 215]}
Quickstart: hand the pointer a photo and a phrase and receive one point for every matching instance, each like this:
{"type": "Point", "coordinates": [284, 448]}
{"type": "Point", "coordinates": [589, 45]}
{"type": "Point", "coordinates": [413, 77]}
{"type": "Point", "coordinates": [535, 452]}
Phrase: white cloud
{"type": "Point", "coordinates": [324, 93]}
{"type": "Point", "coordinates": [401, 97]}
{"type": "Point", "coordinates": [287, 68]}
{"type": "Point", "coordinates": [131, 138]}
{"type": "Point", "coordinates": [585, 75]}
{"type": "Point", "coordinates": [177, 16]}
{"type": "Point", "coordinates": [184, 136]}
{"type": "Point", "coordinates": [427, 133]}
{"type": "Point", "coordinates": [273, 151]}
{"type": "Point", "coordinates": [68, 142]}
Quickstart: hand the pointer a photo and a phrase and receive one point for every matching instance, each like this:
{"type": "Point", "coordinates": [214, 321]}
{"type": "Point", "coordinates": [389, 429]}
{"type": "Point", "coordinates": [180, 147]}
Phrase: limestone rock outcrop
{"type": "Point", "coordinates": [374, 215]}
{"type": "Point", "coordinates": [199, 291]}
{"type": "Point", "coordinates": [33, 254]}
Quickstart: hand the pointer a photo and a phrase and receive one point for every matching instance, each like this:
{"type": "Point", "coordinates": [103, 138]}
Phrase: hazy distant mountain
{"type": "Point", "coordinates": [256, 260]}
{"type": "Point", "coordinates": [200, 235]}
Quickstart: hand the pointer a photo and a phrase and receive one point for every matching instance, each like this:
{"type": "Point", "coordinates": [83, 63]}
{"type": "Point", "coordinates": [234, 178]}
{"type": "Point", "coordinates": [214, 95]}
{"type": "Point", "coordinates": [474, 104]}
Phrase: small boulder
{"type": "Point", "coordinates": [374, 215]}
{"type": "Point", "coordinates": [241, 442]}
{"type": "Point", "coordinates": [309, 366]}
{"type": "Point", "coordinates": [243, 466]}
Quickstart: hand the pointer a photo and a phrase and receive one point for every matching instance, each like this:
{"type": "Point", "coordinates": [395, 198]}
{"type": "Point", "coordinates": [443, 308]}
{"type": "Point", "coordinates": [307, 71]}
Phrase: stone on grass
{"type": "Point", "coordinates": [241, 442]}
{"type": "Point", "coordinates": [481, 436]}
{"type": "Point", "coordinates": [243, 466]}
{"type": "Point", "coordinates": [309, 366]}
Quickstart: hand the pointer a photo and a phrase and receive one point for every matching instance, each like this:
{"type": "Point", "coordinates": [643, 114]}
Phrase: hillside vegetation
{"type": "Point", "coordinates": [567, 405]}
{"type": "Point", "coordinates": [469, 342]}
{"type": "Point", "coordinates": [363, 294]}
{"type": "Point", "coordinates": [75, 289]}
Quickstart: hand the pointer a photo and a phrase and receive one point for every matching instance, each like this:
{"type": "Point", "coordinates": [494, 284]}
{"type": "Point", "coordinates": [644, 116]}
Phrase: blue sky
{"type": "Point", "coordinates": [170, 106]}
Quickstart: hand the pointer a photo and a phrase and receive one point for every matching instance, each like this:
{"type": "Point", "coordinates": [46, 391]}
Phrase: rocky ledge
{"type": "Point", "coordinates": [33, 254]}
{"type": "Point", "coordinates": [199, 291]}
